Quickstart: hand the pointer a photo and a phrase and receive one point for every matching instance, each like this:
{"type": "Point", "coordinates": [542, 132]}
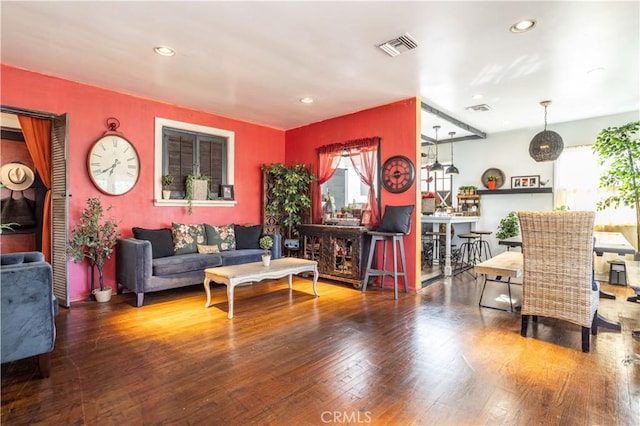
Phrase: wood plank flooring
{"type": "Point", "coordinates": [288, 358]}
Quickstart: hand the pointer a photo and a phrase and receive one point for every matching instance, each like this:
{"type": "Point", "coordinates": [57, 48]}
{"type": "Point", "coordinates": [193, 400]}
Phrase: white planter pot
{"type": "Point", "coordinates": [266, 260]}
{"type": "Point", "coordinates": [166, 194]}
{"type": "Point", "coordinates": [102, 295]}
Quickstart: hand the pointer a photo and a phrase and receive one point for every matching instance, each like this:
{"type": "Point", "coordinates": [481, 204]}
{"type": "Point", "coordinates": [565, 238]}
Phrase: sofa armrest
{"type": "Point", "coordinates": [276, 250]}
{"type": "Point", "coordinates": [134, 267]}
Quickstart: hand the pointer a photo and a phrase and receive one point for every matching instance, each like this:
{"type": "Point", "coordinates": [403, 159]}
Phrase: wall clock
{"type": "Point", "coordinates": [398, 174]}
{"type": "Point", "coordinates": [113, 162]}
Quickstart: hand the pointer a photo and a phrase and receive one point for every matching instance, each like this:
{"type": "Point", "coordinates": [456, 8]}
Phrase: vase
{"type": "Point", "coordinates": [166, 194]}
{"type": "Point", "coordinates": [102, 295]}
{"type": "Point", "coordinates": [491, 184]}
{"type": "Point", "coordinates": [266, 260]}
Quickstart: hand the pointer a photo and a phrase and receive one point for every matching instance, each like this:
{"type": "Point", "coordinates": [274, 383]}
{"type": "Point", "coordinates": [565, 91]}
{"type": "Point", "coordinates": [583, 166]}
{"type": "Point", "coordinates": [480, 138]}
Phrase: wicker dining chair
{"type": "Point", "coordinates": [557, 249]}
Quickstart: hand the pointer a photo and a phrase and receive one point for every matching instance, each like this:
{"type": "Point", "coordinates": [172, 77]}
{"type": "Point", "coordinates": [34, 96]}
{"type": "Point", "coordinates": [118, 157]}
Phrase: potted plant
{"type": "Point", "coordinates": [472, 189]}
{"type": "Point", "coordinates": [620, 148]}
{"type": "Point", "coordinates": [93, 240]}
{"type": "Point", "coordinates": [491, 182]}
{"type": "Point", "coordinates": [266, 243]}
{"type": "Point", "coordinates": [197, 188]}
{"type": "Point", "coordinates": [290, 194]}
{"type": "Point", "coordinates": [167, 181]}
{"type": "Point", "coordinates": [509, 226]}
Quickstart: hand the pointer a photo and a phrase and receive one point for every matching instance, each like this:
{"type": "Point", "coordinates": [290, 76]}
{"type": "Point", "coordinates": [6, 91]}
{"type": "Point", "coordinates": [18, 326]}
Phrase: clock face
{"type": "Point", "coordinates": [398, 174]}
{"type": "Point", "coordinates": [114, 165]}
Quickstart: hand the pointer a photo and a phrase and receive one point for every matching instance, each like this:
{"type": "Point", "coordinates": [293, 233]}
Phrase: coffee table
{"type": "Point", "coordinates": [234, 275]}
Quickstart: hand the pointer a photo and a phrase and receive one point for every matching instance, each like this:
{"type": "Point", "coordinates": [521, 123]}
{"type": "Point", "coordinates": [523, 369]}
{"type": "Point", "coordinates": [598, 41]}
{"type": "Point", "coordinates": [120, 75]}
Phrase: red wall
{"type": "Point", "coordinates": [397, 125]}
{"type": "Point", "coordinates": [88, 109]}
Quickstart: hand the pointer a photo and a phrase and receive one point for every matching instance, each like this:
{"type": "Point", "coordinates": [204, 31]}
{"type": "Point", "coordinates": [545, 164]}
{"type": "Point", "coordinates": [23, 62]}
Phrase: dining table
{"type": "Point", "coordinates": [449, 220]}
{"type": "Point", "coordinates": [605, 242]}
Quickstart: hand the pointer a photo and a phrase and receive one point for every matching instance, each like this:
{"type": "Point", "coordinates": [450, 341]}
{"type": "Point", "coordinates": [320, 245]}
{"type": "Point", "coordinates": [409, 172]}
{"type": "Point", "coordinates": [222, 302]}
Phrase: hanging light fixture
{"type": "Point", "coordinates": [436, 167]}
{"type": "Point", "coordinates": [546, 145]}
{"type": "Point", "coordinates": [452, 170]}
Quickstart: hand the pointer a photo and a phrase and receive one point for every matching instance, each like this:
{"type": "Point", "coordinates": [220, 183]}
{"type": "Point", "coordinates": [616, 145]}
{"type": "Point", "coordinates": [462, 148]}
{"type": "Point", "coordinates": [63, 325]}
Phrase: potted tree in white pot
{"type": "Point", "coordinates": [266, 243]}
{"type": "Point", "coordinates": [93, 240]}
{"type": "Point", "coordinates": [167, 181]}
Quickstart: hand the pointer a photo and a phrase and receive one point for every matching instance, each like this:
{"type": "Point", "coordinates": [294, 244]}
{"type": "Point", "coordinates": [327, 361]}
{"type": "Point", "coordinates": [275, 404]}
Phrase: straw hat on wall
{"type": "Point", "coordinates": [16, 176]}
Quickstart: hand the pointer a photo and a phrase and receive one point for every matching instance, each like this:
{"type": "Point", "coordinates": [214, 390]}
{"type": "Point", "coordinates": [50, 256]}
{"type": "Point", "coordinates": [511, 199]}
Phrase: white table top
{"type": "Point", "coordinates": [449, 219]}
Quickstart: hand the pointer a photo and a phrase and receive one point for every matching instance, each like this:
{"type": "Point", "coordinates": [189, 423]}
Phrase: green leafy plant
{"type": "Point", "coordinates": [93, 238]}
{"type": "Point", "coordinates": [266, 243]}
{"type": "Point", "coordinates": [290, 193]}
{"type": "Point", "coordinates": [166, 180]}
{"type": "Point", "coordinates": [491, 178]}
{"type": "Point", "coordinates": [509, 226]}
{"type": "Point", "coordinates": [619, 148]}
{"type": "Point", "coordinates": [188, 184]}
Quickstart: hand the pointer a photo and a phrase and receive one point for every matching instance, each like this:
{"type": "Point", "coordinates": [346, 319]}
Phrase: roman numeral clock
{"type": "Point", "coordinates": [113, 162]}
{"type": "Point", "coordinates": [398, 174]}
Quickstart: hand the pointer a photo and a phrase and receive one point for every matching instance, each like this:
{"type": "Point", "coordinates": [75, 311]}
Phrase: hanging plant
{"type": "Point", "coordinates": [189, 188]}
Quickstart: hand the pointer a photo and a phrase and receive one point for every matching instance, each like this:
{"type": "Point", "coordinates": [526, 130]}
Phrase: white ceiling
{"type": "Point", "coordinates": [254, 60]}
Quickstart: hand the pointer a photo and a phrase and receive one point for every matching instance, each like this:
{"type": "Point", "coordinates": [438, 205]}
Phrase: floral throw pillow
{"type": "Point", "coordinates": [222, 236]}
{"type": "Point", "coordinates": [208, 249]}
{"type": "Point", "coordinates": [187, 237]}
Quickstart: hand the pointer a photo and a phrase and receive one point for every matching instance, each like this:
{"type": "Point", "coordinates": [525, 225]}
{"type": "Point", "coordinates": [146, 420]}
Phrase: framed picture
{"type": "Point", "coordinates": [519, 182]}
{"type": "Point", "coordinates": [227, 192]}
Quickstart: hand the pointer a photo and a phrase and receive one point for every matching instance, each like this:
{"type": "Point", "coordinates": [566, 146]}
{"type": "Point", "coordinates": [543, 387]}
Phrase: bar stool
{"type": "Point", "coordinates": [395, 224]}
{"type": "Point", "coordinates": [617, 272]}
{"type": "Point", "coordinates": [483, 244]}
{"type": "Point", "coordinates": [468, 252]}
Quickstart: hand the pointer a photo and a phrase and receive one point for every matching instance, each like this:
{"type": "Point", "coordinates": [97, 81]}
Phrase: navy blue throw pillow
{"type": "Point", "coordinates": [248, 237]}
{"type": "Point", "coordinates": [161, 240]}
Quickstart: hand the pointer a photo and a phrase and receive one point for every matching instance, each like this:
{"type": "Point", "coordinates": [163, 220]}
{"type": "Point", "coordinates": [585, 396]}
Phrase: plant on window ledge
{"type": "Point", "coordinates": [93, 239]}
{"type": "Point", "coordinates": [509, 226]}
{"type": "Point", "coordinates": [190, 181]}
{"type": "Point", "coordinates": [620, 148]}
{"type": "Point", "coordinates": [291, 193]}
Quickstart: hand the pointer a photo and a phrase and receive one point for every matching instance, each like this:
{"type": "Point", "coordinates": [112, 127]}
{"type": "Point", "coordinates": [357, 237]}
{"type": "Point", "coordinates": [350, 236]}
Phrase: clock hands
{"type": "Point", "coordinates": [110, 168]}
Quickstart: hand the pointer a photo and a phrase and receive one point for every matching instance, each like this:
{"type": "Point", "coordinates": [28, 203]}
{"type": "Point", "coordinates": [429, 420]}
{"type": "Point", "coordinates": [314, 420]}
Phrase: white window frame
{"type": "Point", "coordinates": [158, 152]}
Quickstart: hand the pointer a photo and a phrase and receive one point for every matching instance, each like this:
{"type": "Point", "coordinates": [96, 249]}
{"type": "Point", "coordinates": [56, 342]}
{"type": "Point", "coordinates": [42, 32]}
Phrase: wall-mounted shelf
{"type": "Point", "coordinates": [547, 190]}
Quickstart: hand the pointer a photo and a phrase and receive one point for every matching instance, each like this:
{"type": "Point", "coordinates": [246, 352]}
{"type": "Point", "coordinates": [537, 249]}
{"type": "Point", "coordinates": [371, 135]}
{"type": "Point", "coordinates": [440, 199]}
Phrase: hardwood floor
{"type": "Point", "coordinates": [288, 358]}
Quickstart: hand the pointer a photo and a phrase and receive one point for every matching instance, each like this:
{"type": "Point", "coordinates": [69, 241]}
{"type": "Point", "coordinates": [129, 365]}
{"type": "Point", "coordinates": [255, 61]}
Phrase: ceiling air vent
{"type": "Point", "coordinates": [478, 108]}
{"type": "Point", "coordinates": [398, 45]}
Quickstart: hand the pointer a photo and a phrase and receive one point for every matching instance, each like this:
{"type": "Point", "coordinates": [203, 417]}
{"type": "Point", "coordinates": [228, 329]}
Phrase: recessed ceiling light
{"type": "Point", "coordinates": [477, 96]}
{"type": "Point", "coordinates": [596, 70]}
{"type": "Point", "coordinates": [306, 100]}
{"type": "Point", "coordinates": [523, 26]}
{"type": "Point", "coordinates": [164, 51]}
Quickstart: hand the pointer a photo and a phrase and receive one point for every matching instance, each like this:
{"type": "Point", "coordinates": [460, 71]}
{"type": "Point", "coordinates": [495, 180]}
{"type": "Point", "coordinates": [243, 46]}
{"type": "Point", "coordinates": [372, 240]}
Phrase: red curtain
{"type": "Point", "coordinates": [37, 135]}
{"type": "Point", "coordinates": [363, 153]}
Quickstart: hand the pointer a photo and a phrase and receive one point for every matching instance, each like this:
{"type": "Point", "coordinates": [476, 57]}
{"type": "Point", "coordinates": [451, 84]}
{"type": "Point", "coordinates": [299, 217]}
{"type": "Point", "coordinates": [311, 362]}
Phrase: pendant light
{"type": "Point", "coordinates": [452, 170]}
{"type": "Point", "coordinates": [436, 167]}
{"type": "Point", "coordinates": [546, 145]}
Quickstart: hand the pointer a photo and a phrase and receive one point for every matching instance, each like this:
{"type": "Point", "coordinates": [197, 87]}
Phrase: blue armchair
{"type": "Point", "coordinates": [28, 308]}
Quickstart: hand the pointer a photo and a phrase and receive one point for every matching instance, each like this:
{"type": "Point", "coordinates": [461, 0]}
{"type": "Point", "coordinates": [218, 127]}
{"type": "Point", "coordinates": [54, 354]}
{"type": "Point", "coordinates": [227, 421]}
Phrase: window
{"type": "Point", "coordinates": [577, 186]}
{"type": "Point", "coordinates": [183, 148]}
{"type": "Point", "coordinates": [438, 183]}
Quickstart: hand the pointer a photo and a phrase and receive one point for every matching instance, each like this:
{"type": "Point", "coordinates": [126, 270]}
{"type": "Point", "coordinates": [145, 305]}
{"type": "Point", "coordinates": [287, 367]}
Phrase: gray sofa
{"type": "Point", "coordinates": [138, 271]}
{"type": "Point", "coordinates": [28, 308]}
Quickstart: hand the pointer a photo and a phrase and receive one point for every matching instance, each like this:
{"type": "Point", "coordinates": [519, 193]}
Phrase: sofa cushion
{"type": "Point", "coordinates": [223, 236]}
{"type": "Point", "coordinates": [161, 240]}
{"type": "Point", "coordinates": [247, 237]}
{"type": "Point", "coordinates": [236, 257]}
{"type": "Point", "coordinates": [187, 237]}
{"type": "Point", "coordinates": [185, 263]}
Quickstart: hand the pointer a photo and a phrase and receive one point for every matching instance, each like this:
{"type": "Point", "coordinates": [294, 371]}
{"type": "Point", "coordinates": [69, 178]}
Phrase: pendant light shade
{"type": "Point", "coordinates": [452, 170]}
{"type": "Point", "coordinates": [546, 145]}
{"type": "Point", "coordinates": [436, 167]}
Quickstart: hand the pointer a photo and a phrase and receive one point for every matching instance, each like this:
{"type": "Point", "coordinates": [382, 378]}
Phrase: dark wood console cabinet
{"type": "Point", "coordinates": [341, 251]}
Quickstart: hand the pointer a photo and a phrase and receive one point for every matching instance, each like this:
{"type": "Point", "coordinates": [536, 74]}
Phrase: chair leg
{"type": "Point", "coordinates": [585, 339]}
{"type": "Point", "coordinates": [372, 250]}
{"type": "Point", "coordinates": [594, 324]}
{"type": "Point", "coordinates": [44, 362]}
{"type": "Point", "coordinates": [525, 324]}
{"type": "Point", "coordinates": [395, 269]}
{"type": "Point", "coordinates": [403, 259]}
